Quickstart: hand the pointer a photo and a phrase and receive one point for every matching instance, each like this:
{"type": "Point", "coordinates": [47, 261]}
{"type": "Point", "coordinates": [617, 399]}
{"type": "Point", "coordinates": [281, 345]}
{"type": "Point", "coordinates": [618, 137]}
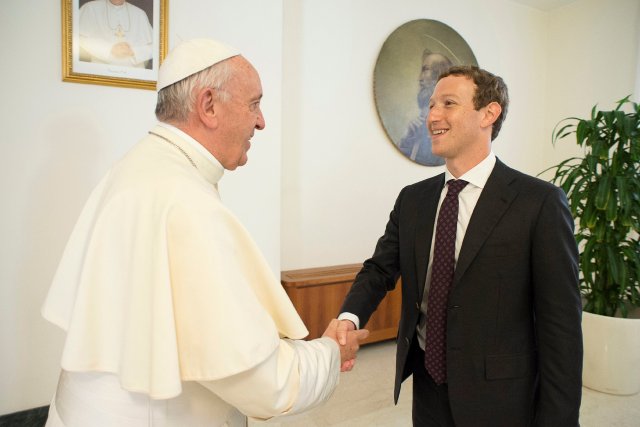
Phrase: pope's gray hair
{"type": "Point", "coordinates": [177, 101]}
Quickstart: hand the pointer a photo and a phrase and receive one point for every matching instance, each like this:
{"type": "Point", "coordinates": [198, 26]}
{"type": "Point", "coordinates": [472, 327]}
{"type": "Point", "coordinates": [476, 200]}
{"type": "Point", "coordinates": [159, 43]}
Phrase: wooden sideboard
{"type": "Point", "coordinates": [318, 293]}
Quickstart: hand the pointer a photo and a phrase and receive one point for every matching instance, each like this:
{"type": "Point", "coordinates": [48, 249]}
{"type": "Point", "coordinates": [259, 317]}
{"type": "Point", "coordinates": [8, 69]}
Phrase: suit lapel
{"type": "Point", "coordinates": [494, 201]}
{"type": "Point", "coordinates": [425, 222]}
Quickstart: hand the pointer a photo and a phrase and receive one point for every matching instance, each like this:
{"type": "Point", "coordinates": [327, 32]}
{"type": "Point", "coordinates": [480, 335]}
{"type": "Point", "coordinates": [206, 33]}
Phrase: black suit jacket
{"type": "Point", "coordinates": [514, 339]}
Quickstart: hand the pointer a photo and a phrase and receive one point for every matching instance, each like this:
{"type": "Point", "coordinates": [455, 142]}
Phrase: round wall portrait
{"type": "Point", "coordinates": [408, 66]}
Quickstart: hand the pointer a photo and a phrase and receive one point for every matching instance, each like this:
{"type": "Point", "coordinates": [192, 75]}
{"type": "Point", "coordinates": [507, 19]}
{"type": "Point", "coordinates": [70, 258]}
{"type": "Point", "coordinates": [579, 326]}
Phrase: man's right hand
{"type": "Point", "coordinates": [348, 336]}
{"type": "Point", "coordinates": [351, 339]}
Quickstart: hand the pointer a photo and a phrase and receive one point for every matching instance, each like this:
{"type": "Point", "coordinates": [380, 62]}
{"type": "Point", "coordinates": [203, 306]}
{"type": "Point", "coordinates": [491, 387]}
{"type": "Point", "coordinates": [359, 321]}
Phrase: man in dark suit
{"type": "Point", "coordinates": [511, 317]}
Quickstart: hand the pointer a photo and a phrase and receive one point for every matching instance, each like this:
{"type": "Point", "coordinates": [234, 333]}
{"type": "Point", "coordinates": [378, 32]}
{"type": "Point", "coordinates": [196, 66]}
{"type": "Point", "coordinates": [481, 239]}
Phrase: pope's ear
{"type": "Point", "coordinates": [206, 107]}
{"type": "Point", "coordinates": [491, 113]}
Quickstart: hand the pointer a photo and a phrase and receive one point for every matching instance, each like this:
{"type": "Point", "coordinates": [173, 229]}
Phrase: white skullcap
{"type": "Point", "coordinates": [190, 57]}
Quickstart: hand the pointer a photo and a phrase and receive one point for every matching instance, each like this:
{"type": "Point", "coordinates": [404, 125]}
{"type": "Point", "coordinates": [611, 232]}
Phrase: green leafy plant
{"type": "Point", "coordinates": [603, 190]}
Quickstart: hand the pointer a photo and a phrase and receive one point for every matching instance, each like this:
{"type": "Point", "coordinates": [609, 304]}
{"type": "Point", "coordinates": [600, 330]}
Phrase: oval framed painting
{"type": "Point", "coordinates": [408, 65]}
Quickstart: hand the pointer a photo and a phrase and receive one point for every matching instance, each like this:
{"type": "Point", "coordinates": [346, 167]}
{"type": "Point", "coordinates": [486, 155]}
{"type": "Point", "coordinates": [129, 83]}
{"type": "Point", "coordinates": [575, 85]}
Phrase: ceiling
{"type": "Point", "coordinates": [545, 5]}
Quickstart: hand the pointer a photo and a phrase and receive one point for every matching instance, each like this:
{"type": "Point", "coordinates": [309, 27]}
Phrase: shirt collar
{"type": "Point", "coordinates": [477, 175]}
{"type": "Point", "coordinates": [206, 163]}
{"type": "Point", "coordinates": [195, 144]}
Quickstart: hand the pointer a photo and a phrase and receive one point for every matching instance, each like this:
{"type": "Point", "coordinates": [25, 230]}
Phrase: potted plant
{"type": "Point", "coordinates": [603, 191]}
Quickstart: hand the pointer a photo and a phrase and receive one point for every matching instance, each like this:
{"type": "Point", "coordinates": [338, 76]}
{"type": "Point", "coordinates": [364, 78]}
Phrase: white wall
{"type": "Point", "coordinates": [58, 140]}
{"type": "Point", "coordinates": [592, 58]}
{"type": "Point", "coordinates": [339, 174]}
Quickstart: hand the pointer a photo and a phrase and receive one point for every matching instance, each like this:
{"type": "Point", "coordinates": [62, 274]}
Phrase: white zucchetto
{"type": "Point", "coordinates": [190, 57]}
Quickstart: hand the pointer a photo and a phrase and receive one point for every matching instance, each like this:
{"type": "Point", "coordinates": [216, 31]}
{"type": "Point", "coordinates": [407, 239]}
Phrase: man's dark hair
{"type": "Point", "coordinates": [489, 88]}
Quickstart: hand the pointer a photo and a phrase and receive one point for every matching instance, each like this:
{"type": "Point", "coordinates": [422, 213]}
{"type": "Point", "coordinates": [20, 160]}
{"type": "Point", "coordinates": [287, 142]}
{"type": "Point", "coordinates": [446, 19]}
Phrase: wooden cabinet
{"type": "Point", "coordinates": [318, 293]}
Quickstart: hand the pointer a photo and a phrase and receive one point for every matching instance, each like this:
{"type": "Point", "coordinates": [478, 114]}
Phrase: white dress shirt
{"type": "Point", "coordinates": [477, 178]}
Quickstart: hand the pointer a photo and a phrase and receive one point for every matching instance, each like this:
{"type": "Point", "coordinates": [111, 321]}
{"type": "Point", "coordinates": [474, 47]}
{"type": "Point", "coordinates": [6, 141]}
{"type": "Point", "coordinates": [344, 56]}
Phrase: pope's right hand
{"type": "Point", "coordinates": [348, 338]}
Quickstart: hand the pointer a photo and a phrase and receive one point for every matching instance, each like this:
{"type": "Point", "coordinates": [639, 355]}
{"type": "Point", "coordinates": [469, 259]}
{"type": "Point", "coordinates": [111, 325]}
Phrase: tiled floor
{"type": "Point", "coordinates": [365, 398]}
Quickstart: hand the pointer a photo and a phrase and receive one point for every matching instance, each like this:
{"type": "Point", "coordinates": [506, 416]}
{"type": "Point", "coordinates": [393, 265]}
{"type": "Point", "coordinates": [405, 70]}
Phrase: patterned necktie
{"type": "Point", "coordinates": [441, 279]}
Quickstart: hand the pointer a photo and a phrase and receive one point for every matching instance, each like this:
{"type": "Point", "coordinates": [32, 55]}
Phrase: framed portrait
{"type": "Point", "coordinates": [114, 42]}
{"type": "Point", "coordinates": [406, 71]}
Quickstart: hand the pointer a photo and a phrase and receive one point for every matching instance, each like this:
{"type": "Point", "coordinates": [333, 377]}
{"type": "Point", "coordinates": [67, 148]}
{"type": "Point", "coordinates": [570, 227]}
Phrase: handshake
{"type": "Point", "coordinates": [348, 338]}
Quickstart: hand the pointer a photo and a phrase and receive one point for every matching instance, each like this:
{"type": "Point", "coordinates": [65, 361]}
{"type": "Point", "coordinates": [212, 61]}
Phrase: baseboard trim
{"type": "Point", "coordinates": [35, 417]}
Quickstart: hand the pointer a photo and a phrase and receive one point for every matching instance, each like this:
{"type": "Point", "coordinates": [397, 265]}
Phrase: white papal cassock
{"type": "Point", "coordinates": [103, 24]}
{"type": "Point", "coordinates": [173, 317]}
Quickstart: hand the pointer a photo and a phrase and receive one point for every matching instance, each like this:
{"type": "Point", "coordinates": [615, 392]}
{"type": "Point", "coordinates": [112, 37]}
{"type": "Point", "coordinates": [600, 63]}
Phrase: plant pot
{"type": "Point", "coordinates": [611, 354]}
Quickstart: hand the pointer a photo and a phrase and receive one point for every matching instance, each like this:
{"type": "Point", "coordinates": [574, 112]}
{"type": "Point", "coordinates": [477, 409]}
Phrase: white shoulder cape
{"type": "Point", "coordinates": [160, 283]}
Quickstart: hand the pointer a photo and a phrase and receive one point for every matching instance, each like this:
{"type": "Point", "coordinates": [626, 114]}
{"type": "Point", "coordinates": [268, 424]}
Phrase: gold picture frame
{"type": "Point", "coordinates": [88, 55]}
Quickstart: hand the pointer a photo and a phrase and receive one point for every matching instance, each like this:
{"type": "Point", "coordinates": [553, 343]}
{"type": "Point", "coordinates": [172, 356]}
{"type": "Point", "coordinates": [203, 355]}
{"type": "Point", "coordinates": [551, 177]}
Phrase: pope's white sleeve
{"type": "Point", "coordinates": [296, 377]}
{"type": "Point", "coordinates": [319, 372]}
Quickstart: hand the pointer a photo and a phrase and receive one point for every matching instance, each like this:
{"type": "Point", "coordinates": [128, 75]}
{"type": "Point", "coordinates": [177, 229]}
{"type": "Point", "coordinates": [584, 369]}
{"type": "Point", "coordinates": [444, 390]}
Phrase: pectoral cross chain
{"type": "Point", "coordinates": [119, 33]}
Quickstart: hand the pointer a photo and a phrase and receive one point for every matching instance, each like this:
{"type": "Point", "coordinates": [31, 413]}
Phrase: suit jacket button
{"type": "Point", "coordinates": [417, 306]}
{"type": "Point", "coordinates": [406, 340]}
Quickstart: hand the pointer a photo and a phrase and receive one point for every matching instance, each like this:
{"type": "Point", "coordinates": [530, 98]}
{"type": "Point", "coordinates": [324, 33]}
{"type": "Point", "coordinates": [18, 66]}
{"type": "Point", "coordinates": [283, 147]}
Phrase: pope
{"type": "Point", "coordinates": [172, 315]}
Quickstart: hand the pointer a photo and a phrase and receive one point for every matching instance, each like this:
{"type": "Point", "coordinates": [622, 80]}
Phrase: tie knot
{"type": "Point", "coordinates": [455, 186]}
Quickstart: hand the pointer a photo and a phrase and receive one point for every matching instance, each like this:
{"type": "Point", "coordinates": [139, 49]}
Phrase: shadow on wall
{"type": "Point", "coordinates": [68, 164]}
